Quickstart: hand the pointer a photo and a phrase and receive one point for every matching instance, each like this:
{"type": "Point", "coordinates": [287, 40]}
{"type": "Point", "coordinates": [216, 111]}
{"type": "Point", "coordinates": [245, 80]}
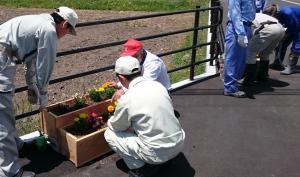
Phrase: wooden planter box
{"type": "Point", "coordinates": [85, 148]}
{"type": "Point", "coordinates": [51, 123]}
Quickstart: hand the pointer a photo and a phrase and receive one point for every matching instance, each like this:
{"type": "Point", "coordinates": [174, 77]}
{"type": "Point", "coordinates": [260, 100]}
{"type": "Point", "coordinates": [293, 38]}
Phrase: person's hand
{"type": "Point", "coordinates": [243, 40]}
{"type": "Point", "coordinates": [33, 94]}
{"type": "Point", "coordinates": [43, 99]}
{"type": "Point", "coordinates": [117, 95]}
{"type": "Point", "coordinates": [113, 84]}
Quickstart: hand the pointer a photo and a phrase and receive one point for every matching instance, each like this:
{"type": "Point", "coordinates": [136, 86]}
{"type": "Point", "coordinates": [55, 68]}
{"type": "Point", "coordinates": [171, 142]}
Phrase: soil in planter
{"type": "Point", "coordinates": [65, 108]}
{"type": "Point", "coordinates": [79, 134]}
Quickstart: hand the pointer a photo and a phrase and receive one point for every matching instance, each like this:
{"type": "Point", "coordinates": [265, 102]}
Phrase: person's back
{"type": "Point", "coordinates": [151, 112]}
{"type": "Point", "coordinates": [23, 37]}
{"type": "Point", "coordinates": [154, 69]}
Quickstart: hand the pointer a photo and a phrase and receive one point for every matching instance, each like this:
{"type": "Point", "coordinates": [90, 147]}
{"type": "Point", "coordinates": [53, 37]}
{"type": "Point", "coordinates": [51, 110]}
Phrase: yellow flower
{"type": "Point", "coordinates": [105, 84]}
{"type": "Point", "coordinates": [83, 116]}
{"type": "Point", "coordinates": [115, 103]}
{"type": "Point", "coordinates": [76, 119]}
{"type": "Point", "coordinates": [110, 108]}
{"type": "Point", "coordinates": [101, 89]}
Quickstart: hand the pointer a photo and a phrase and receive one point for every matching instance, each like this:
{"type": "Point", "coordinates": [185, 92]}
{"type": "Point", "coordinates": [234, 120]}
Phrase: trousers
{"type": "Point", "coordinates": [264, 42]}
{"type": "Point", "coordinates": [235, 58]}
{"type": "Point", "coordinates": [128, 146]}
{"type": "Point", "coordinates": [9, 142]}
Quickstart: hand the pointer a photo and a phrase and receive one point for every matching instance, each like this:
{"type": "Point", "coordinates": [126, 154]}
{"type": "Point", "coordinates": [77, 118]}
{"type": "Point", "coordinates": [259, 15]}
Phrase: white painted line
{"type": "Point", "coordinates": [291, 2]}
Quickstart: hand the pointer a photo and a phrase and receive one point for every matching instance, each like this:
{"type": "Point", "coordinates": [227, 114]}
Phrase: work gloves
{"type": "Point", "coordinates": [34, 96]}
{"type": "Point", "coordinates": [243, 40]}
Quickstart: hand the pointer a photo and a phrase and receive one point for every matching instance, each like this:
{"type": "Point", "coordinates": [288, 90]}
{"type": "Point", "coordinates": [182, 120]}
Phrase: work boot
{"type": "Point", "coordinates": [249, 74]}
{"type": "Point", "coordinates": [277, 65]}
{"type": "Point", "coordinates": [262, 74]}
{"type": "Point", "coordinates": [23, 173]}
{"type": "Point", "coordinates": [148, 170]}
{"type": "Point", "coordinates": [291, 66]}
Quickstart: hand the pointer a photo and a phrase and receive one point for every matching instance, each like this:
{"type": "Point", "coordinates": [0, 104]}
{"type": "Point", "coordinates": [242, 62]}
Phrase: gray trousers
{"type": "Point", "coordinates": [264, 43]}
{"type": "Point", "coordinates": [129, 147]}
{"type": "Point", "coordinates": [9, 142]}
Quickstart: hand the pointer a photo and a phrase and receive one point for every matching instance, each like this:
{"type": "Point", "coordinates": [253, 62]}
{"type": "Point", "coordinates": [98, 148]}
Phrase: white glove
{"type": "Point", "coordinates": [33, 94]}
{"type": "Point", "coordinates": [43, 101]}
{"type": "Point", "coordinates": [243, 40]}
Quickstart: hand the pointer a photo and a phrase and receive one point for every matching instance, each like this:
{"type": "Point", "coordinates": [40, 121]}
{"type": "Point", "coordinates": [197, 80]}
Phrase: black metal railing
{"type": "Point", "coordinates": [214, 44]}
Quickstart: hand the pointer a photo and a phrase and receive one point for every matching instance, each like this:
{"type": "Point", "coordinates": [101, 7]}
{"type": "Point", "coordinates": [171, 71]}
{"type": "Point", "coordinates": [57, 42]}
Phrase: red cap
{"type": "Point", "coordinates": [131, 47]}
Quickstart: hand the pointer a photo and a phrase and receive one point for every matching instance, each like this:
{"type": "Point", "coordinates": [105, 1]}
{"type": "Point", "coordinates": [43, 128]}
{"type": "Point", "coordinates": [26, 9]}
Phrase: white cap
{"type": "Point", "coordinates": [69, 15]}
{"type": "Point", "coordinates": [127, 65]}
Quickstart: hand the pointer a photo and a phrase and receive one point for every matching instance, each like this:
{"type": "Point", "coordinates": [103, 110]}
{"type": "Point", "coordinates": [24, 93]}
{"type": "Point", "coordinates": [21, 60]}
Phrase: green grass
{"type": "Point", "coordinates": [184, 58]}
{"type": "Point", "coordinates": [118, 5]}
{"type": "Point", "coordinates": [28, 124]}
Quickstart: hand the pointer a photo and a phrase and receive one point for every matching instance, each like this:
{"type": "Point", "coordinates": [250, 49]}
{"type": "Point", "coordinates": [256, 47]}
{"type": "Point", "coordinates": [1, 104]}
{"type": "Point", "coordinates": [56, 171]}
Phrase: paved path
{"type": "Point", "coordinates": [257, 136]}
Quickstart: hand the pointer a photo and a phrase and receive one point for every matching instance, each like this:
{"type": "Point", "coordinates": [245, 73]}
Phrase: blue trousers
{"type": "Point", "coordinates": [235, 58]}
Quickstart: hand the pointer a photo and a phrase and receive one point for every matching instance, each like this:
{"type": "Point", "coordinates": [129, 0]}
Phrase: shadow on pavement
{"type": "Point", "coordinates": [177, 167]}
{"type": "Point", "coordinates": [264, 87]}
{"type": "Point", "coordinates": [43, 161]}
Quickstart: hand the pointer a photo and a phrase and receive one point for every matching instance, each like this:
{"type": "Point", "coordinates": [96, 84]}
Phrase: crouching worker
{"type": "Point", "coordinates": [144, 130]}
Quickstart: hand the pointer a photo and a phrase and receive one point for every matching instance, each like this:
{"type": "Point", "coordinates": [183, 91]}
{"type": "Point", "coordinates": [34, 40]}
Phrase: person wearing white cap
{"type": "Point", "coordinates": [30, 40]}
{"type": "Point", "coordinates": [137, 132]}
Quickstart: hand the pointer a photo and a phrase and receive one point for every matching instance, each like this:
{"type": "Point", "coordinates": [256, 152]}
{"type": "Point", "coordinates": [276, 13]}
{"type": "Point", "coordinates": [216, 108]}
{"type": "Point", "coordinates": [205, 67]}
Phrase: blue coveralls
{"type": "Point", "coordinates": [240, 15]}
{"type": "Point", "coordinates": [260, 5]}
{"type": "Point", "coordinates": [289, 17]}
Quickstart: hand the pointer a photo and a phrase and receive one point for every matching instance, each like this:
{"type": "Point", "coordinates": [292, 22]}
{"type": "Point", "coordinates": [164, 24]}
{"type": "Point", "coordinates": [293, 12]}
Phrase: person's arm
{"type": "Point", "coordinates": [120, 120]}
{"type": "Point", "coordinates": [46, 56]}
{"type": "Point", "coordinates": [235, 16]}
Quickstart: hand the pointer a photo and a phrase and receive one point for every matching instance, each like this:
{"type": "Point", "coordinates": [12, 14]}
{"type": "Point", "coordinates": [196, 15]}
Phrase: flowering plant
{"type": "Point", "coordinates": [111, 109]}
{"type": "Point", "coordinates": [85, 123]}
{"type": "Point", "coordinates": [80, 100]}
{"type": "Point", "coordinates": [105, 91]}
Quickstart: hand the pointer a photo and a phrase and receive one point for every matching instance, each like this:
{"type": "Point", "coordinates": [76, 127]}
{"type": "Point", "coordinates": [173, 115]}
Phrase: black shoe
{"type": "Point", "coordinates": [27, 148]}
{"type": "Point", "coordinates": [277, 67]}
{"type": "Point", "coordinates": [147, 170]}
{"type": "Point", "coordinates": [23, 173]}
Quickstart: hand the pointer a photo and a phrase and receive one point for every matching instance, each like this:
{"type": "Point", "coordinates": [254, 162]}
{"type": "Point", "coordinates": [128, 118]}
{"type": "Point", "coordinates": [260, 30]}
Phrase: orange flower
{"type": "Point", "coordinates": [110, 108]}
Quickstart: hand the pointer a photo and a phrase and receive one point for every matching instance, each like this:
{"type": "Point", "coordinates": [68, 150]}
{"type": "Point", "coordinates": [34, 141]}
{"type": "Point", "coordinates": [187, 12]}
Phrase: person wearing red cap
{"type": "Point", "coordinates": [32, 40]}
{"type": "Point", "coordinates": [153, 67]}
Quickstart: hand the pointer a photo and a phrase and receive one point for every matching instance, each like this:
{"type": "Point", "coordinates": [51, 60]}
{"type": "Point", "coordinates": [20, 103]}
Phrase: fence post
{"type": "Point", "coordinates": [214, 30]}
{"type": "Point", "coordinates": [195, 42]}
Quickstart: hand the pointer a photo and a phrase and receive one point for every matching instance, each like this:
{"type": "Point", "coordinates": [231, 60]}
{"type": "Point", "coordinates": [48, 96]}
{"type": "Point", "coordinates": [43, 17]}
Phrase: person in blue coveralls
{"type": "Point", "coordinates": [260, 5]}
{"type": "Point", "coordinates": [241, 13]}
{"type": "Point", "coordinates": [290, 18]}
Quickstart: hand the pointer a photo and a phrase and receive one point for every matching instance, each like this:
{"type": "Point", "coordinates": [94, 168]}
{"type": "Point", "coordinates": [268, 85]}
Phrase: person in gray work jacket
{"type": "Point", "coordinates": [267, 33]}
{"type": "Point", "coordinates": [32, 40]}
{"type": "Point", "coordinates": [138, 131]}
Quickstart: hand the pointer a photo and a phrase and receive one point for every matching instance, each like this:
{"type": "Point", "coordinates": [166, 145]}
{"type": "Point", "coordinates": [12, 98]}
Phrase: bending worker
{"type": "Point", "coordinates": [289, 17]}
{"type": "Point", "coordinates": [267, 33]}
{"type": "Point", "coordinates": [32, 40]}
{"type": "Point", "coordinates": [137, 132]}
{"type": "Point", "coordinates": [241, 13]}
